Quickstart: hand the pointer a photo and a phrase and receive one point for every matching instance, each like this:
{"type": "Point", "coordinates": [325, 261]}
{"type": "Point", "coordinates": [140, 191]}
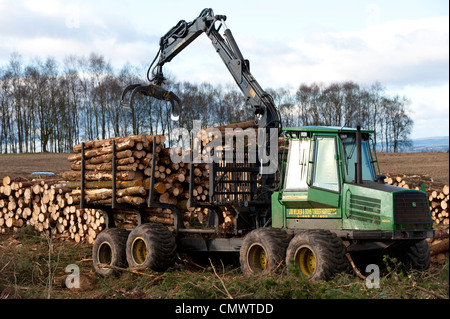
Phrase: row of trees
{"type": "Point", "coordinates": [49, 106]}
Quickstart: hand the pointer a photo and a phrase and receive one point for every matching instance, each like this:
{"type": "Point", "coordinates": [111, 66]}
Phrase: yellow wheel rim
{"type": "Point", "coordinates": [139, 250]}
{"type": "Point", "coordinates": [104, 253]}
{"type": "Point", "coordinates": [306, 261]}
{"type": "Point", "coordinates": [257, 258]}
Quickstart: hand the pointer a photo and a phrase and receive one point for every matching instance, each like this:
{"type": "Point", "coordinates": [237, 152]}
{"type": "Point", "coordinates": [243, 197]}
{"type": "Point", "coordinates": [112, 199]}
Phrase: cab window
{"type": "Point", "coordinates": [297, 165]}
{"type": "Point", "coordinates": [368, 170]}
{"type": "Point", "coordinates": [325, 174]}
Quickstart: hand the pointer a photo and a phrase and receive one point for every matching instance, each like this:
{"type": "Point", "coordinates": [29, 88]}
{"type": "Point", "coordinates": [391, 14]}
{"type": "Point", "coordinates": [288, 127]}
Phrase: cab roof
{"type": "Point", "coordinates": [325, 129]}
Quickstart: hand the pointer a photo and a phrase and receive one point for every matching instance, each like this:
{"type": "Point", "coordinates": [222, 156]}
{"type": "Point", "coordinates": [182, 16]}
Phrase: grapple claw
{"type": "Point", "coordinates": [151, 90]}
{"type": "Point", "coordinates": [124, 93]}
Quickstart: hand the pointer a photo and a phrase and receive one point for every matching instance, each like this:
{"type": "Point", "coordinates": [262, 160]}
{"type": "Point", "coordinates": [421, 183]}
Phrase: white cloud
{"type": "Point", "coordinates": [397, 52]}
{"type": "Point", "coordinates": [47, 7]}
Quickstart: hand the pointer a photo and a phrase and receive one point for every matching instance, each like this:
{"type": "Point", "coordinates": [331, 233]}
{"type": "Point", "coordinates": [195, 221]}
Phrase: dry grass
{"type": "Point", "coordinates": [24, 273]}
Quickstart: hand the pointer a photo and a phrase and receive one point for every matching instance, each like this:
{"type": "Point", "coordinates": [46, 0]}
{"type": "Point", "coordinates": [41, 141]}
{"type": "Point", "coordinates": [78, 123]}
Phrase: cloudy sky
{"type": "Point", "coordinates": [402, 44]}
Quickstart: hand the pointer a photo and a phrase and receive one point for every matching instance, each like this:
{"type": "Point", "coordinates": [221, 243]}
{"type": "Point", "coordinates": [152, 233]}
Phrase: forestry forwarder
{"type": "Point", "coordinates": [324, 201]}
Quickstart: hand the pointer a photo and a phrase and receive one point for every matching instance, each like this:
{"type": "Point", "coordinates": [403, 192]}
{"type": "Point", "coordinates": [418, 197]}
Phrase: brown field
{"type": "Point", "coordinates": [434, 164]}
{"type": "Point", "coordinates": [22, 165]}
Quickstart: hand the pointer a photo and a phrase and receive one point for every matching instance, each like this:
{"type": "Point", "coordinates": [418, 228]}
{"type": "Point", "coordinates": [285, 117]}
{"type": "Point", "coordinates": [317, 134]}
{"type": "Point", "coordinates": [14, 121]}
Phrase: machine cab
{"type": "Point", "coordinates": [317, 161]}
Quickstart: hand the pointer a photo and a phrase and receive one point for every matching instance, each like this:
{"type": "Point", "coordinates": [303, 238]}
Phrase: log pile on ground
{"type": "Point", "coordinates": [438, 197]}
{"type": "Point", "coordinates": [46, 205]}
{"type": "Point", "coordinates": [439, 246]}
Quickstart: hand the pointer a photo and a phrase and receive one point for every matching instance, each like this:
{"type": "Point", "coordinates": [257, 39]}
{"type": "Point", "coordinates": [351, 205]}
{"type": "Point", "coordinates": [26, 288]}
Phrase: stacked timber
{"type": "Point", "coordinates": [439, 246]}
{"type": "Point", "coordinates": [44, 205]}
{"type": "Point", "coordinates": [248, 130]}
{"type": "Point", "coordinates": [133, 175]}
{"type": "Point", "coordinates": [438, 198]}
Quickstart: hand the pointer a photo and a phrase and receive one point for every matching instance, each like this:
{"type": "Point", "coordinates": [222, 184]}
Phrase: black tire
{"type": "Point", "coordinates": [418, 256]}
{"type": "Point", "coordinates": [263, 250]}
{"type": "Point", "coordinates": [151, 245]}
{"type": "Point", "coordinates": [109, 249]}
{"type": "Point", "coordinates": [317, 254]}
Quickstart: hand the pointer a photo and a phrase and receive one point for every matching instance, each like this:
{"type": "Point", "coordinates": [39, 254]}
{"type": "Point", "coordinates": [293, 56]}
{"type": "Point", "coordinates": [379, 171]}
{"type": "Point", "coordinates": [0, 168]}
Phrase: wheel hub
{"type": "Point", "coordinates": [139, 250]}
{"type": "Point", "coordinates": [257, 258]}
{"type": "Point", "coordinates": [305, 260]}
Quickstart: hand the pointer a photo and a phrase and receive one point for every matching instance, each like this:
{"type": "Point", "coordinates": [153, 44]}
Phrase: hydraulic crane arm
{"type": "Point", "coordinates": [181, 35]}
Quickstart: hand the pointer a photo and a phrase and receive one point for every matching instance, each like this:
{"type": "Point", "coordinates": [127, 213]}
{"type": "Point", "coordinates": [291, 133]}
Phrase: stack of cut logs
{"type": "Point", "coordinates": [439, 245]}
{"type": "Point", "coordinates": [207, 135]}
{"type": "Point", "coordinates": [45, 204]}
{"type": "Point", "coordinates": [134, 167]}
{"type": "Point", "coordinates": [438, 198]}
{"type": "Point", "coordinates": [439, 205]}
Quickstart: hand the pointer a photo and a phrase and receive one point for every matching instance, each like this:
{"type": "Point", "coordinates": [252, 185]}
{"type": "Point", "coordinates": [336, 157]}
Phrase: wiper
{"type": "Point", "coordinates": [353, 148]}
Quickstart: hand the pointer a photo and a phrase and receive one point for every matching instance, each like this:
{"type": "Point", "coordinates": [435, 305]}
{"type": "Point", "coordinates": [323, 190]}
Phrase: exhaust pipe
{"type": "Point", "coordinates": [358, 164]}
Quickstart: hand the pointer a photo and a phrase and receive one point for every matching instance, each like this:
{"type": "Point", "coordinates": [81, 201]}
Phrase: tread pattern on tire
{"type": "Point", "coordinates": [328, 249]}
{"type": "Point", "coordinates": [117, 239]}
{"type": "Point", "coordinates": [418, 255]}
{"type": "Point", "coordinates": [275, 241]}
{"type": "Point", "coordinates": [162, 246]}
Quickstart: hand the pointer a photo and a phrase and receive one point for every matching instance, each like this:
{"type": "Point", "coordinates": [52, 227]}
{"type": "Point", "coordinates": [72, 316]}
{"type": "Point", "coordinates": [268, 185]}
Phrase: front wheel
{"type": "Point", "coordinates": [317, 254]}
{"type": "Point", "coordinates": [418, 256]}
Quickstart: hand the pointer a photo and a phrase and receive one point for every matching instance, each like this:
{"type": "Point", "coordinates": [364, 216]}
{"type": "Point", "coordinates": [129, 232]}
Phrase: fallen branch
{"type": "Point", "coordinates": [189, 262]}
{"type": "Point", "coordinates": [223, 284]}
{"type": "Point", "coordinates": [358, 273]}
{"type": "Point", "coordinates": [428, 292]}
{"type": "Point", "coordinates": [6, 264]}
{"type": "Point", "coordinates": [84, 260]}
{"type": "Point", "coordinates": [134, 271]}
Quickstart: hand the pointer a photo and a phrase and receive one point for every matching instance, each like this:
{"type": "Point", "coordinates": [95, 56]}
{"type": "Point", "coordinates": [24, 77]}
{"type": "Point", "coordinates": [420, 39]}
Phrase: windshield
{"type": "Point", "coordinates": [368, 170]}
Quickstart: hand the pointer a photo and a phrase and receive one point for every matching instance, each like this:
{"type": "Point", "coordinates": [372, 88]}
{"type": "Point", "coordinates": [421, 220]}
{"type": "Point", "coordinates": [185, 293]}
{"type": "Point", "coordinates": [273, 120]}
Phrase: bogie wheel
{"type": "Point", "coordinates": [317, 254]}
{"type": "Point", "coordinates": [151, 245]}
{"type": "Point", "coordinates": [263, 250]}
{"type": "Point", "coordinates": [109, 249]}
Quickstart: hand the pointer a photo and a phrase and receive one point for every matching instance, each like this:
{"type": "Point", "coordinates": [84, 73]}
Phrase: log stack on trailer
{"type": "Point", "coordinates": [132, 173]}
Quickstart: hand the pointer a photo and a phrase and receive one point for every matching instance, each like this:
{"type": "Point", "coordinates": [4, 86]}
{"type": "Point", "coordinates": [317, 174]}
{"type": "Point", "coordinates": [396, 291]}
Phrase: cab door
{"type": "Point", "coordinates": [324, 180]}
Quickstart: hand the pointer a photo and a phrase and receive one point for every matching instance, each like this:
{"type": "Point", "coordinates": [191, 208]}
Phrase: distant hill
{"type": "Point", "coordinates": [428, 144]}
{"type": "Point", "coordinates": [431, 144]}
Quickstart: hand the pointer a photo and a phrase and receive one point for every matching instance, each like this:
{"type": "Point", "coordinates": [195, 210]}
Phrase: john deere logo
{"type": "Point", "coordinates": [414, 204]}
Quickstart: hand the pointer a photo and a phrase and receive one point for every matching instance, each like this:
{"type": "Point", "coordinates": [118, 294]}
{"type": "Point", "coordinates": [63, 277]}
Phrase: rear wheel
{"type": "Point", "coordinates": [263, 250]}
{"type": "Point", "coordinates": [317, 254]}
{"type": "Point", "coordinates": [109, 249]}
{"type": "Point", "coordinates": [151, 245]}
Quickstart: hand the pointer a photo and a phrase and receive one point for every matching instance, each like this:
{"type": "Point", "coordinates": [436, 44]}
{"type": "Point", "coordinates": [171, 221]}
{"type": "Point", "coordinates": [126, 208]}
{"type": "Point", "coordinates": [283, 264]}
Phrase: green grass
{"type": "Point", "coordinates": [25, 272]}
